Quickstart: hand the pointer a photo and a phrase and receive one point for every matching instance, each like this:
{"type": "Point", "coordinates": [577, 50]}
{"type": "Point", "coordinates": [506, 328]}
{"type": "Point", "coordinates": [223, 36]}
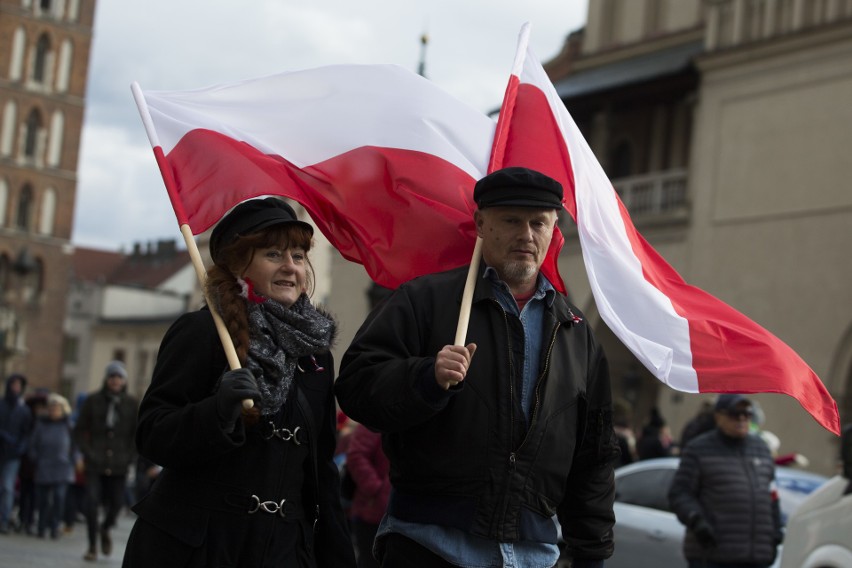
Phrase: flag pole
{"type": "Point", "coordinates": [186, 231]}
{"type": "Point", "coordinates": [498, 148]}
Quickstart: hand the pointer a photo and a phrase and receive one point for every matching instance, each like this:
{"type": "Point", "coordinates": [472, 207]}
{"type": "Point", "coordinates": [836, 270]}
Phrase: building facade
{"type": "Point", "coordinates": [119, 307]}
{"type": "Point", "coordinates": [723, 125]}
{"type": "Point", "coordinates": [44, 54]}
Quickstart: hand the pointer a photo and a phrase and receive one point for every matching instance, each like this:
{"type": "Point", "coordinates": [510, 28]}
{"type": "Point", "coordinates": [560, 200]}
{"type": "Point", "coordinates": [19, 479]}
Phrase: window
{"type": "Point", "coordinates": [647, 488]}
{"type": "Point", "coordinates": [33, 125]}
{"type": "Point", "coordinates": [64, 68]}
{"type": "Point", "coordinates": [41, 56]}
{"type": "Point", "coordinates": [4, 199]}
{"type": "Point", "coordinates": [119, 355]}
{"type": "Point", "coordinates": [7, 136]}
{"type": "Point", "coordinates": [621, 161]}
{"type": "Point", "coordinates": [54, 142]}
{"type": "Point", "coordinates": [25, 206]}
{"type": "Point", "coordinates": [48, 212]}
{"type": "Point", "coordinates": [16, 60]}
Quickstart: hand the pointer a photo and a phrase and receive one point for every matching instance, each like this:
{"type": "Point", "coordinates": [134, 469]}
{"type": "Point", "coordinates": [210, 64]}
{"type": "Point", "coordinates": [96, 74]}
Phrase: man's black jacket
{"type": "Point", "coordinates": [465, 457]}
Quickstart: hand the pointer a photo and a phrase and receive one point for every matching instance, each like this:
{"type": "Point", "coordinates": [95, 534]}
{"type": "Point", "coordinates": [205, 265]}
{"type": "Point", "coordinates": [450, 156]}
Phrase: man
{"type": "Point", "coordinates": [486, 449]}
{"type": "Point", "coordinates": [724, 492]}
{"type": "Point", "coordinates": [105, 433]}
{"type": "Point", "coordinates": [15, 424]}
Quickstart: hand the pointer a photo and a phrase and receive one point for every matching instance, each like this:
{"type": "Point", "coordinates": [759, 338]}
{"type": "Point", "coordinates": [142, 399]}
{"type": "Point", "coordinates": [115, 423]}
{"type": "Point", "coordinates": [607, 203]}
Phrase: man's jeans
{"type": "Point", "coordinates": [8, 475]}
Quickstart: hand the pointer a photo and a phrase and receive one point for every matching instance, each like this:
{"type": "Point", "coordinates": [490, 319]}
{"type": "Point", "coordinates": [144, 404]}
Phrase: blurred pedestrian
{"type": "Point", "coordinates": [621, 416]}
{"type": "Point", "coordinates": [75, 496]}
{"type": "Point", "coordinates": [655, 440]}
{"type": "Point", "coordinates": [703, 421]}
{"type": "Point", "coordinates": [15, 423]}
{"type": "Point", "coordinates": [52, 451]}
{"type": "Point", "coordinates": [37, 404]}
{"type": "Point", "coordinates": [724, 492]}
{"type": "Point", "coordinates": [105, 434]}
{"type": "Point", "coordinates": [368, 466]}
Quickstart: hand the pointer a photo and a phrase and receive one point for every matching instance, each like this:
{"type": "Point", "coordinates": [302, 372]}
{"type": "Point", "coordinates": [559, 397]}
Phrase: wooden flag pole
{"type": "Point", "coordinates": [494, 163]}
{"type": "Point", "coordinates": [188, 237]}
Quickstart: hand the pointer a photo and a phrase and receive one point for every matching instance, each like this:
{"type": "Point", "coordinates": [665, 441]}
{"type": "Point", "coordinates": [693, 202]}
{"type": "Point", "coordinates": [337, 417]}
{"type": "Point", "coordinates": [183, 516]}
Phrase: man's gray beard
{"type": "Point", "coordinates": [518, 272]}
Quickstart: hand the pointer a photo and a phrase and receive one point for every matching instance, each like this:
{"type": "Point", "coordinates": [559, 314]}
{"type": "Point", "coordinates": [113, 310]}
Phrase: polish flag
{"type": "Point", "coordinates": [382, 159]}
{"type": "Point", "coordinates": [688, 339]}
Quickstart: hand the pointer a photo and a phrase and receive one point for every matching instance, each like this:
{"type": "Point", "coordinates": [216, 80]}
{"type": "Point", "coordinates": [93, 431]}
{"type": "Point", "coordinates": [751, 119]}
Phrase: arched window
{"type": "Point", "coordinates": [41, 56]}
{"type": "Point", "coordinates": [54, 142]}
{"type": "Point", "coordinates": [25, 208]}
{"type": "Point", "coordinates": [48, 212]}
{"type": "Point", "coordinates": [4, 200]}
{"type": "Point", "coordinates": [16, 61]}
{"type": "Point", "coordinates": [33, 126]}
{"type": "Point", "coordinates": [44, 5]}
{"type": "Point", "coordinates": [4, 273]}
{"type": "Point", "coordinates": [10, 122]}
{"type": "Point", "coordinates": [64, 68]}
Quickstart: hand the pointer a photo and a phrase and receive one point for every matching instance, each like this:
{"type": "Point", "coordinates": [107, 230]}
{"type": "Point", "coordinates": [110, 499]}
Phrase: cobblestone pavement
{"type": "Point", "coordinates": [18, 550]}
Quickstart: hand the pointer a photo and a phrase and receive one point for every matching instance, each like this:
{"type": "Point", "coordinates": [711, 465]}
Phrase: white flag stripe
{"type": "Point", "coordinates": [641, 316]}
{"type": "Point", "coordinates": [322, 113]}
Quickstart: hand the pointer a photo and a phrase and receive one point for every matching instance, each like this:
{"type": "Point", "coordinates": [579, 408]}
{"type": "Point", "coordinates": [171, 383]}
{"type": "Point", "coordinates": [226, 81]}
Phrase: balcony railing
{"type": "Point", "coordinates": [660, 195]}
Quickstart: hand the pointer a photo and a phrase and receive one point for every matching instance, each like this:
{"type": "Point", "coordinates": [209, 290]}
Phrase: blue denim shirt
{"type": "Point", "coordinates": [464, 549]}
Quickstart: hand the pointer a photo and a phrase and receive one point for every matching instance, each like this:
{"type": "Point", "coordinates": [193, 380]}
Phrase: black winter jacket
{"type": "Point", "coordinates": [465, 457]}
{"type": "Point", "coordinates": [729, 483]}
{"type": "Point", "coordinates": [106, 451]}
{"type": "Point", "coordinates": [197, 511]}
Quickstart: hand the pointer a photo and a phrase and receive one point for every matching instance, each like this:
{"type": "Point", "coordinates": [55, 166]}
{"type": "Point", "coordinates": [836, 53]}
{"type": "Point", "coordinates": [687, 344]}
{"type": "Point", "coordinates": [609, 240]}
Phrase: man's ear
{"type": "Point", "coordinates": [478, 220]}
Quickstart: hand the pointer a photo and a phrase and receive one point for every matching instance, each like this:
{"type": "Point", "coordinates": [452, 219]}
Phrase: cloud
{"type": "Point", "coordinates": [167, 45]}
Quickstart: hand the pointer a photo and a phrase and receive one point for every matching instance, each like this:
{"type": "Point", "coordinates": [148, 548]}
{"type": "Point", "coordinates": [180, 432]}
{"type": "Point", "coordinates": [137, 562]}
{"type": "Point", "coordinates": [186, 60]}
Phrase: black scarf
{"type": "Point", "coordinates": [278, 337]}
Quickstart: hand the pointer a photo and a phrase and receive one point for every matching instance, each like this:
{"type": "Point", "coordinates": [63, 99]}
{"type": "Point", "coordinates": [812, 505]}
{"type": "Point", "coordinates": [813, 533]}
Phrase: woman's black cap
{"type": "Point", "coordinates": [251, 217]}
{"type": "Point", "coordinates": [518, 187]}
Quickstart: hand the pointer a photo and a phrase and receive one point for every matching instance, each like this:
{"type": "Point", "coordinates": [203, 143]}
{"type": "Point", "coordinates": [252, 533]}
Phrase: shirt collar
{"type": "Point", "coordinates": [544, 289]}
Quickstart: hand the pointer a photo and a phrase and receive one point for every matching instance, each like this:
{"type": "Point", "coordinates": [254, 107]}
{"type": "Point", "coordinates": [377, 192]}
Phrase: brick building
{"type": "Point", "coordinates": [44, 55]}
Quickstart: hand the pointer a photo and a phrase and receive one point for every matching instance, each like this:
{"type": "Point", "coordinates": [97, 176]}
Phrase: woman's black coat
{"type": "Point", "coordinates": [196, 513]}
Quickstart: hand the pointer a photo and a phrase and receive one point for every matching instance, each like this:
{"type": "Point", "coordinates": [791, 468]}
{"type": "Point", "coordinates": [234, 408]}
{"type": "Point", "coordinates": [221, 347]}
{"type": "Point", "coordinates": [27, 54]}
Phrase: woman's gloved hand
{"type": "Point", "coordinates": [234, 387]}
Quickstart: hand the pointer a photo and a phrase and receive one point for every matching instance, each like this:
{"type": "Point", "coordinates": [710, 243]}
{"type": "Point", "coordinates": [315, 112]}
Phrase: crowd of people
{"type": "Point", "coordinates": [500, 451]}
{"type": "Point", "coordinates": [63, 466]}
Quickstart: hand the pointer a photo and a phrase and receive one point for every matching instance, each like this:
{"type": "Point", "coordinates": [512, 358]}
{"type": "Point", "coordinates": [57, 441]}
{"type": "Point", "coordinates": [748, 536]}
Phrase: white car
{"type": "Point", "coordinates": [648, 534]}
{"type": "Point", "coordinates": [819, 532]}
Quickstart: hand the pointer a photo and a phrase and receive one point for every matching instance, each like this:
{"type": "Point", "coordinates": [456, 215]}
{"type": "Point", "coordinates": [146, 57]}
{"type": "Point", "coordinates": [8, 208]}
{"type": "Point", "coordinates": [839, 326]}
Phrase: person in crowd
{"type": "Point", "coordinates": [724, 493]}
{"type": "Point", "coordinates": [52, 452]}
{"type": "Point", "coordinates": [488, 441]}
{"type": "Point", "coordinates": [621, 415]}
{"type": "Point", "coordinates": [655, 440]}
{"type": "Point", "coordinates": [238, 487]}
{"type": "Point", "coordinates": [15, 424]}
{"type": "Point", "coordinates": [27, 505]}
{"type": "Point", "coordinates": [75, 495]}
{"type": "Point", "coordinates": [369, 467]}
{"type": "Point", "coordinates": [104, 434]}
{"type": "Point", "coordinates": [703, 421]}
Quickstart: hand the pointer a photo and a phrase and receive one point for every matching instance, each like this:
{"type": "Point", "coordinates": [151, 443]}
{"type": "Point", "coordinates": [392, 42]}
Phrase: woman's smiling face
{"type": "Point", "coordinates": [278, 273]}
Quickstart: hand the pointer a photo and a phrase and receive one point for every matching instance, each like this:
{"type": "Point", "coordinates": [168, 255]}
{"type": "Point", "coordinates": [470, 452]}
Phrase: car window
{"type": "Point", "coordinates": [647, 488]}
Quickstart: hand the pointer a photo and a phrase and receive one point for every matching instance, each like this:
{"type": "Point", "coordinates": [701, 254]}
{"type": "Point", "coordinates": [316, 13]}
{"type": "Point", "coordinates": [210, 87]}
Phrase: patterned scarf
{"type": "Point", "coordinates": [278, 337]}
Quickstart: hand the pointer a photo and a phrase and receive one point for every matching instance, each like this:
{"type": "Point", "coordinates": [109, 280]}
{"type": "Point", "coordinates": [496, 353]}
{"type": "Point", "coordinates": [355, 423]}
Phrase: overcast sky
{"type": "Point", "coordinates": [188, 44]}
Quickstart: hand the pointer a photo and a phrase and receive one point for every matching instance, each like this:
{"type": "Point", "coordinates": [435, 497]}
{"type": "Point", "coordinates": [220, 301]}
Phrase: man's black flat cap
{"type": "Point", "coordinates": [518, 187]}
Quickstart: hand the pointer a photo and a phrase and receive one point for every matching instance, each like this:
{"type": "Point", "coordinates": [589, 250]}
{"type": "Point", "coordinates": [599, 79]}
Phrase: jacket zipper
{"type": "Point", "coordinates": [513, 453]}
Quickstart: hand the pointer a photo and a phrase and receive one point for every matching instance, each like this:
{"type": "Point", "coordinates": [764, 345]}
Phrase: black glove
{"type": "Point", "coordinates": [704, 533]}
{"type": "Point", "coordinates": [234, 387]}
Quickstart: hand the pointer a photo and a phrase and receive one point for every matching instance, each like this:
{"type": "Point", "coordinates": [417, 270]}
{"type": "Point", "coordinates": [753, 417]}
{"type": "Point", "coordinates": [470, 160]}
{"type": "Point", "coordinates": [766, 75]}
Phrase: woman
{"type": "Point", "coordinates": [254, 488]}
{"type": "Point", "coordinates": [52, 453]}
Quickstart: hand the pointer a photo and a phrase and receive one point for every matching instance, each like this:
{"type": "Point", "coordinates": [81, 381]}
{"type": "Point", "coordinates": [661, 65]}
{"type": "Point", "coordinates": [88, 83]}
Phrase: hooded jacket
{"type": "Point", "coordinates": [107, 451]}
{"type": "Point", "coordinates": [15, 421]}
{"type": "Point", "coordinates": [465, 457]}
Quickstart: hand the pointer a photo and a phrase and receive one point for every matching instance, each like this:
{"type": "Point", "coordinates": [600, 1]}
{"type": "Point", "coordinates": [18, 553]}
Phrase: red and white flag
{"type": "Point", "coordinates": [688, 339]}
{"type": "Point", "coordinates": [382, 159]}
